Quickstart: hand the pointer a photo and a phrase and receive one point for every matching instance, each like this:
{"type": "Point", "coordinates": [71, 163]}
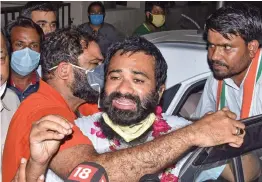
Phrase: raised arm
{"type": "Point", "coordinates": [45, 137]}
{"type": "Point", "coordinates": [132, 163]}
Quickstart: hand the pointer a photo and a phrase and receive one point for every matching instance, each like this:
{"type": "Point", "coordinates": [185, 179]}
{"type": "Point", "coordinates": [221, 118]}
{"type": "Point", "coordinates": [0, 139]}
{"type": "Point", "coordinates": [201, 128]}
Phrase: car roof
{"type": "Point", "coordinates": [188, 36]}
{"type": "Point", "coordinates": [184, 51]}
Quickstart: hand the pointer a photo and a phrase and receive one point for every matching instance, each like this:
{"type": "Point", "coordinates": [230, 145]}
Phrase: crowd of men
{"type": "Point", "coordinates": [88, 94]}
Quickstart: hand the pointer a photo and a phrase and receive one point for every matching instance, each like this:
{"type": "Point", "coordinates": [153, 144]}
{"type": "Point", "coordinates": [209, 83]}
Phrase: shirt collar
{"type": "Point", "coordinates": [34, 80]}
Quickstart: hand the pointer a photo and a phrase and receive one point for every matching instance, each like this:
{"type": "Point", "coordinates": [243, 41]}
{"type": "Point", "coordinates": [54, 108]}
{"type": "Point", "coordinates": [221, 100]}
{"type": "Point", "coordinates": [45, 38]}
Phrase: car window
{"type": "Point", "coordinates": [188, 102]}
{"type": "Point", "coordinates": [190, 105]}
{"type": "Point", "coordinates": [168, 96]}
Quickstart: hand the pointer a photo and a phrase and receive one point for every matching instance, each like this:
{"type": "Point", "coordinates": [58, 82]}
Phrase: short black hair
{"type": "Point", "coordinates": [240, 19]}
{"type": "Point", "coordinates": [96, 3]}
{"type": "Point", "coordinates": [136, 44]}
{"type": "Point", "coordinates": [150, 4]}
{"type": "Point", "coordinates": [23, 22]}
{"type": "Point", "coordinates": [85, 36]}
{"type": "Point", "coordinates": [38, 6]}
{"type": "Point", "coordinates": [63, 45]}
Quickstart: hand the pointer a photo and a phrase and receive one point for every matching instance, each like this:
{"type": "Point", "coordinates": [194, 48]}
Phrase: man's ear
{"type": "Point", "coordinates": [83, 44]}
{"type": "Point", "coordinates": [63, 70]}
{"type": "Point", "coordinates": [253, 48]}
{"type": "Point", "coordinates": [147, 14]}
{"type": "Point", "coordinates": [161, 91]}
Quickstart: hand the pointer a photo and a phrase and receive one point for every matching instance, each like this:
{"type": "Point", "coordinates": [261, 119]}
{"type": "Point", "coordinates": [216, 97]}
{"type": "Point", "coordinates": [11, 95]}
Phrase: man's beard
{"type": "Point", "coordinates": [217, 74]}
{"type": "Point", "coordinates": [81, 88]}
{"type": "Point", "coordinates": [224, 74]}
{"type": "Point", "coordinates": [126, 117]}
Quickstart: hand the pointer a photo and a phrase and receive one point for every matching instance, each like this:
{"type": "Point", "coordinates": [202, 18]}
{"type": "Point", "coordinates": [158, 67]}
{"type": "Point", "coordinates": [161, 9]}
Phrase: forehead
{"type": "Point", "coordinates": [216, 37]}
{"type": "Point", "coordinates": [157, 9]}
{"type": "Point", "coordinates": [96, 8]}
{"type": "Point", "coordinates": [48, 16]}
{"type": "Point", "coordinates": [133, 61]}
{"type": "Point", "coordinates": [24, 33]}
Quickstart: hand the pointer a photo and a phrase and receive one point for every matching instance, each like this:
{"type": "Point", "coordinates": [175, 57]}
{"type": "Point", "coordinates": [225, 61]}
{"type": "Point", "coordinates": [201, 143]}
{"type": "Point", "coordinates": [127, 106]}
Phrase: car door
{"type": "Point", "coordinates": [182, 98]}
{"type": "Point", "coordinates": [206, 158]}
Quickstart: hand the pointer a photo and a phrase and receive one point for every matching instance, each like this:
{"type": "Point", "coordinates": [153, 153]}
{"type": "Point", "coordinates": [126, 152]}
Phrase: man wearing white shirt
{"type": "Point", "coordinates": [9, 100]}
{"type": "Point", "coordinates": [234, 55]}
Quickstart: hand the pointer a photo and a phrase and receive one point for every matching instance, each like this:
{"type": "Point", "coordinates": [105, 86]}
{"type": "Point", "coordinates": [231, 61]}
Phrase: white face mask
{"type": "Point", "coordinates": [2, 88]}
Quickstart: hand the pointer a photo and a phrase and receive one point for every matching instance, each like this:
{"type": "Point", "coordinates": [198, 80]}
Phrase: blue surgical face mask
{"type": "Point", "coordinates": [95, 77]}
{"type": "Point", "coordinates": [96, 19]}
{"type": "Point", "coordinates": [24, 61]}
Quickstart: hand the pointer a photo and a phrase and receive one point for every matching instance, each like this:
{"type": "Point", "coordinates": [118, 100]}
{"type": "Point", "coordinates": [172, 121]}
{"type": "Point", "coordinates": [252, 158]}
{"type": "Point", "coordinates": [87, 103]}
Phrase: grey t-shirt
{"type": "Point", "coordinates": [106, 35]}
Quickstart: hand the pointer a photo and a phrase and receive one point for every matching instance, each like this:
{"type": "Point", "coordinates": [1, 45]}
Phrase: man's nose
{"type": "Point", "coordinates": [216, 54]}
{"type": "Point", "coordinates": [100, 57]}
{"type": "Point", "coordinates": [48, 28]}
{"type": "Point", "coordinates": [125, 87]}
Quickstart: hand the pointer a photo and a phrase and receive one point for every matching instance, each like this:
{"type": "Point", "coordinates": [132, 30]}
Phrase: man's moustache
{"type": "Point", "coordinates": [219, 63]}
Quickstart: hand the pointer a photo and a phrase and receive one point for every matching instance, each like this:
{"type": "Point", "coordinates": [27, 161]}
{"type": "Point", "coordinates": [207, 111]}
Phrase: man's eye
{"type": "Point", "coordinates": [138, 81]}
{"type": "Point", "coordinates": [96, 13]}
{"type": "Point", "coordinates": [34, 46]}
{"type": "Point", "coordinates": [18, 44]}
{"type": "Point", "coordinates": [2, 60]}
{"type": "Point", "coordinates": [114, 78]}
{"type": "Point", "coordinates": [53, 25]}
{"type": "Point", "coordinates": [3, 57]}
{"type": "Point", "coordinates": [227, 47]}
{"type": "Point", "coordinates": [211, 45]}
{"type": "Point", "coordinates": [41, 24]}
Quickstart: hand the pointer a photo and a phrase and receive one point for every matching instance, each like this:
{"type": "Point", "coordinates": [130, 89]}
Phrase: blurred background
{"type": "Point", "coordinates": [126, 16]}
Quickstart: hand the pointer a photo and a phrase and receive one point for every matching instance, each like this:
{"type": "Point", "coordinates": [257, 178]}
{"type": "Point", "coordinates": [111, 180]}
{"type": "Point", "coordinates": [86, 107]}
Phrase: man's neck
{"type": "Point", "coordinates": [95, 27]}
{"type": "Point", "coordinates": [111, 134]}
{"type": "Point", "coordinates": [238, 79]}
{"type": "Point", "coordinates": [150, 26]}
{"type": "Point", "coordinates": [21, 81]}
{"type": "Point", "coordinates": [72, 101]}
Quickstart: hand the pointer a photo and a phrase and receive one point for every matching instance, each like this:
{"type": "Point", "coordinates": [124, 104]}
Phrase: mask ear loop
{"type": "Point", "coordinates": [99, 91]}
{"type": "Point", "coordinates": [98, 102]}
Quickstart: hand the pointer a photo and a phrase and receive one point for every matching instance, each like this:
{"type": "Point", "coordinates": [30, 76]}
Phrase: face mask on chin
{"type": "Point", "coordinates": [130, 133]}
{"type": "Point", "coordinates": [128, 124]}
